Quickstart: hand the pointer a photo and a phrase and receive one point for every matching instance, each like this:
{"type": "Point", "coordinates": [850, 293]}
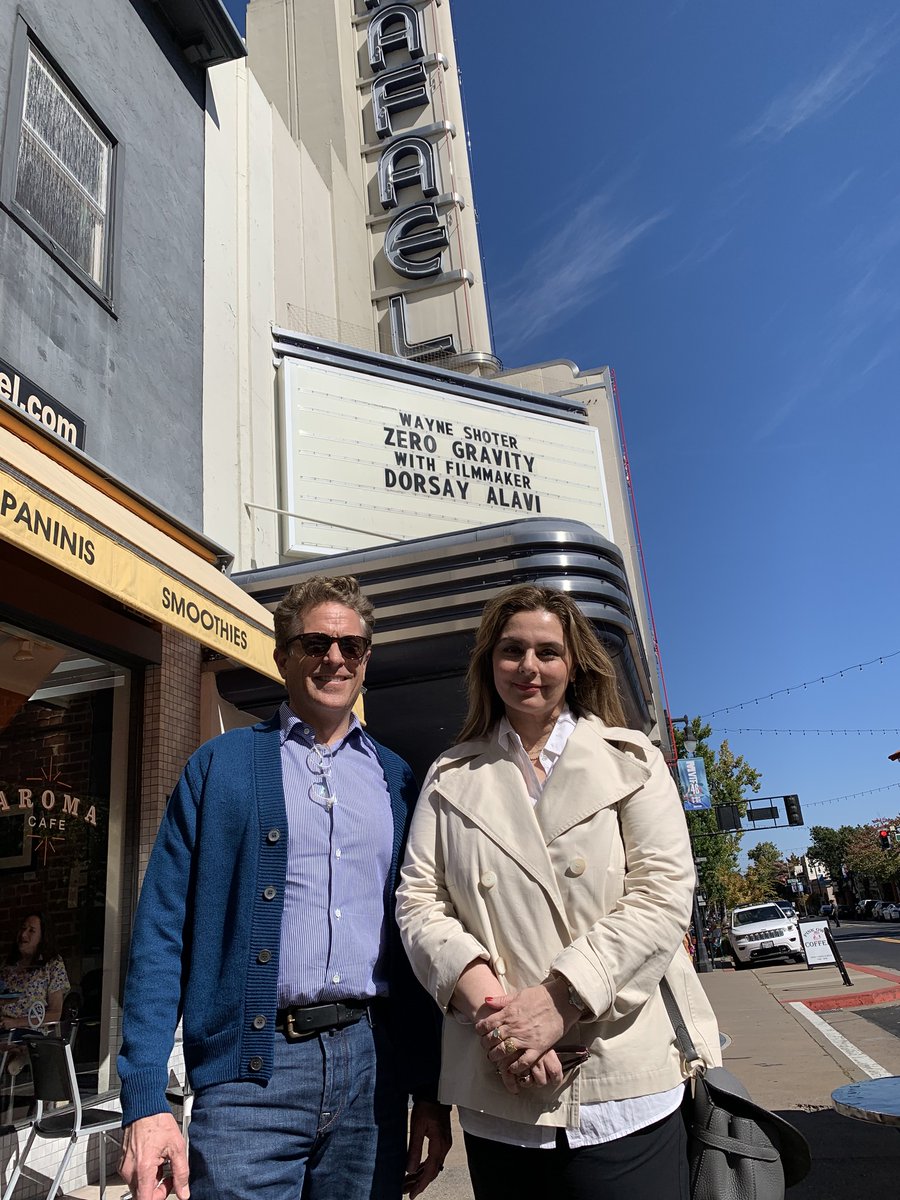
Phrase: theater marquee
{"type": "Point", "coordinates": [366, 461]}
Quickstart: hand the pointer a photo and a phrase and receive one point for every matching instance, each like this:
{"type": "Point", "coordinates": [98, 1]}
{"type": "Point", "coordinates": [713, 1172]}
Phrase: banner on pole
{"type": "Point", "coordinates": [692, 780]}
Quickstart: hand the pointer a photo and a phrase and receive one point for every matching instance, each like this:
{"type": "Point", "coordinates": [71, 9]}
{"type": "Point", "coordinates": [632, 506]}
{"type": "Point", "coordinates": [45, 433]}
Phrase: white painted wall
{"type": "Point", "coordinates": [283, 246]}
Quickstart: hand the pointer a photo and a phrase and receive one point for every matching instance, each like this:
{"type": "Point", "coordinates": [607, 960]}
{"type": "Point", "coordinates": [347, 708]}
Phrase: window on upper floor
{"type": "Point", "coordinates": [58, 168]}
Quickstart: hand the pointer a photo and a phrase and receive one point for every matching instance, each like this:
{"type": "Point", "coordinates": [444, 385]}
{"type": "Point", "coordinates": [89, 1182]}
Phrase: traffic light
{"type": "Point", "coordinates": [884, 839]}
{"type": "Point", "coordinates": [728, 817]}
{"type": "Point", "coordinates": [792, 810]}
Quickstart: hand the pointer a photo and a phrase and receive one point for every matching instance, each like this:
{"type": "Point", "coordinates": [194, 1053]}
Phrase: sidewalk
{"type": "Point", "coordinates": [823, 990]}
{"type": "Point", "coordinates": [823, 994]}
{"type": "Point", "coordinates": [786, 1068]}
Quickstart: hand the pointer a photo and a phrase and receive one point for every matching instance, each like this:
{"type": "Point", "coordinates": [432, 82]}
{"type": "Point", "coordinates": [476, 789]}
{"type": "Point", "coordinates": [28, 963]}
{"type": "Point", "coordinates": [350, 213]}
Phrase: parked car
{"type": "Point", "coordinates": [875, 912]}
{"type": "Point", "coordinates": [762, 933]}
{"type": "Point", "coordinates": [826, 909]}
{"type": "Point", "coordinates": [847, 910]}
{"type": "Point", "coordinates": [890, 912]}
{"type": "Point", "coordinates": [864, 909]}
{"type": "Point", "coordinates": [788, 909]}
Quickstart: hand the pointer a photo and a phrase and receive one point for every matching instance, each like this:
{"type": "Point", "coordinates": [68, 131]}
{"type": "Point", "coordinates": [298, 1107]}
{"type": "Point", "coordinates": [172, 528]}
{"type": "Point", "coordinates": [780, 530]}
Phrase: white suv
{"type": "Point", "coordinates": [762, 931]}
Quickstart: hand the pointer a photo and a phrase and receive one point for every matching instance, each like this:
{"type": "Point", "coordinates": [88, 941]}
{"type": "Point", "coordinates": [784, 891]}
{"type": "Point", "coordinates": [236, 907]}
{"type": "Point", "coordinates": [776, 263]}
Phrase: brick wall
{"type": "Point", "coordinates": [171, 731]}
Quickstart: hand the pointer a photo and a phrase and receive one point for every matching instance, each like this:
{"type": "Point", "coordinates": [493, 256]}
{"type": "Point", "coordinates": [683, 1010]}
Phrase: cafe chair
{"type": "Point", "coordinates": [53, 1073]}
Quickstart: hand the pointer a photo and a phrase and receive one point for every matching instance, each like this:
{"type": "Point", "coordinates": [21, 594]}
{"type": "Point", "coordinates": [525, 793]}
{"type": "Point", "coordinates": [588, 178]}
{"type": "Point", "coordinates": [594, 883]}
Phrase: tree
{"type": "Point", "coordinates": [766, 878]}
{"type": "Point", "coordinates": [866, 857]}
{"type": "Point", "coordinates": [831, 847]}
{"type": "Point", "coordinates": [732, 889]}
{"type": "Point", "coordinates": [728, 776]}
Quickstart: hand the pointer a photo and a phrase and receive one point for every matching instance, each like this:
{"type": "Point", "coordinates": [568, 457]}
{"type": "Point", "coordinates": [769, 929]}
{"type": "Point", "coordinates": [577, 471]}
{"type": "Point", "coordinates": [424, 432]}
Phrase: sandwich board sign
{"type": "Point", "coordinates": [816, 945]}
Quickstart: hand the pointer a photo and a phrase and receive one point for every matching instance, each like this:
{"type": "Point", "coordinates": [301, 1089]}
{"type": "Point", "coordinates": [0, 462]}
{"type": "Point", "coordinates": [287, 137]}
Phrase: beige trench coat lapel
{"type": "Point", "coordinates": [490, 792]}
{"type": "Point", "coordinates": [591, 774]}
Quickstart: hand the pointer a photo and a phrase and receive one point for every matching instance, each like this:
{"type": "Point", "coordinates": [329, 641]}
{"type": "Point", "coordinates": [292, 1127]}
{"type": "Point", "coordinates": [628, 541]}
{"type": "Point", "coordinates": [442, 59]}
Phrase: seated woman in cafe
{"type": "Point", "coordinates": [35, 972]}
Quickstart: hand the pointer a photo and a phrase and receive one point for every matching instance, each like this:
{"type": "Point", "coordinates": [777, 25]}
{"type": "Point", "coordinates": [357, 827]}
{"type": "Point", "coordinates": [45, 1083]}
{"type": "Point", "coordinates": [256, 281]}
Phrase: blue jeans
{"type": "Point", "coordinates": [330, 1125]}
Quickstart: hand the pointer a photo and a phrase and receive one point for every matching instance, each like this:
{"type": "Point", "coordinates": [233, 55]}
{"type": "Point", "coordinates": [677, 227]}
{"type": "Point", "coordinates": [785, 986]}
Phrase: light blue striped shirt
{"type": "Point", "coordinates": [333, 932]}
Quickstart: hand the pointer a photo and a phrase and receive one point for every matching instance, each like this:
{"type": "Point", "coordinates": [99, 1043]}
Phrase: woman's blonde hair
{"type": "Point", "coordinates": [594, 687]}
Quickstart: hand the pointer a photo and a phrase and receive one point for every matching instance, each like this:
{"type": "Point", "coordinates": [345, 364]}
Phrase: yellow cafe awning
{"type": "Point", "coordinates": [63, 516]}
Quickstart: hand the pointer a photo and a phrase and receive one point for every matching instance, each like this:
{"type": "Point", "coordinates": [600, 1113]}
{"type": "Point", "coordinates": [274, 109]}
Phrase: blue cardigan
{"type": "Point", "coordinates": [207, 933]}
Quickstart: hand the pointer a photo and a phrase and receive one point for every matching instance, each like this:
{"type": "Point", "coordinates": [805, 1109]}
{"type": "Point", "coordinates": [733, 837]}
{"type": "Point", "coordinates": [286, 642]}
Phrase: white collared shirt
{"type": "Point", "coordinates": [548, 757]}
{"type": "Point", "coordinates": [610, 1119]}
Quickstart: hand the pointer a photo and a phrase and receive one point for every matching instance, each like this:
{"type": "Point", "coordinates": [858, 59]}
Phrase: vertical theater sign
{"type": "Point", "coordinates": [422, 227]}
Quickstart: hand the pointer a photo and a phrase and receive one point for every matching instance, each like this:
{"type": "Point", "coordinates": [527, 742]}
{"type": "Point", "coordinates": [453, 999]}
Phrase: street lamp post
{"type": "Point", "coordinates": [704, 963]}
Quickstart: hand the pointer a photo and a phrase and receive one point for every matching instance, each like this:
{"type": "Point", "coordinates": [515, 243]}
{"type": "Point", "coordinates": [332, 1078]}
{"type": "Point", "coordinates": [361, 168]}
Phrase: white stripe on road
{"type": "Point", "coordinates": [856, 1056]}
{"type": "Point", "coordinates": [872, 937]}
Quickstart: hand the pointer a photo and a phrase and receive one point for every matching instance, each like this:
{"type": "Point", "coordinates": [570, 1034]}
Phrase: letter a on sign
{"type": "Point", "coordinates": [422, 169]}
{"type": "Point", "coordinates": [394, 28]}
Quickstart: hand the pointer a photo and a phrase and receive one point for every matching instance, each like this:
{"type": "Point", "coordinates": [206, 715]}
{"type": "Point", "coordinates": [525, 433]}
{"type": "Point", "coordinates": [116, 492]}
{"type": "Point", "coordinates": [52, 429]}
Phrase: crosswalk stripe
{"type": "Point", "coordinates": [871, 1068]}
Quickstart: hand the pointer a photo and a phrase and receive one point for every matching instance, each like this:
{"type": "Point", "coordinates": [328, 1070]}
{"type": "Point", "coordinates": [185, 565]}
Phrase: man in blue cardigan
{"type": "Point", "coordinates": [266, 923]}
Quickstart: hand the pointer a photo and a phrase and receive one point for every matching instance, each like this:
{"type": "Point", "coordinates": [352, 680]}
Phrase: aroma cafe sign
{"type": "Point", "coordinates": [47, 810]}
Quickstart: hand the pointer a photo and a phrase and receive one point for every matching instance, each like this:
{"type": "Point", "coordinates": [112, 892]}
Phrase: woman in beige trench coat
{"type": "Point", "coordinates": [546, 891]}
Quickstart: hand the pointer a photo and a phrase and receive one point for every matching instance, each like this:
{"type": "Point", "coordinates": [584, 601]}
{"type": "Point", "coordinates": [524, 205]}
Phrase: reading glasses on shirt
{"type": "Point", "coordinates": [318, 760]}
{"type": "Point", "coordinates": [317, 645]}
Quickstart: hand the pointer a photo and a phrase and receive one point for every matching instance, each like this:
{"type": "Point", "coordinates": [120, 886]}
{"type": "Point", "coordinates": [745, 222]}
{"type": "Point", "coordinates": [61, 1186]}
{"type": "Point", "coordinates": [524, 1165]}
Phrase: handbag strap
{"type": "Point", "coordinates": [731, 1145]}
{"type": "Point", "coordinates": [682, 1037]}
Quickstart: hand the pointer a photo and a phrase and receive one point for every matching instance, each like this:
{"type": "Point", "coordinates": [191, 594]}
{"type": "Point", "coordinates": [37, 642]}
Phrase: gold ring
{"type": "Point", "coordinates": [509, 1045]}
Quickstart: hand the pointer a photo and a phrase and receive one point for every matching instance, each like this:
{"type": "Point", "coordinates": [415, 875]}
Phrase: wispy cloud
{"type": "Point", "coordinates": [838, 190]}
{"type": "Point", "coordinates": [860, 330]}
{"type": "Point", "coordinates": [568, 267]}
{"type": "Point", "coordinates": [832, 88]}
{"type": "Point", "coordinates": [779, 414]}
{"type": "Point", "coordinates": [701, 252]}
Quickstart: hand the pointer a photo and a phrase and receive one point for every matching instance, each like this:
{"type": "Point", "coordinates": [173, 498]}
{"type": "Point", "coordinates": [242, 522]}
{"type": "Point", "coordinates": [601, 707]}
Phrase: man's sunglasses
{"type": "Point", "coordinates": [317, 645]}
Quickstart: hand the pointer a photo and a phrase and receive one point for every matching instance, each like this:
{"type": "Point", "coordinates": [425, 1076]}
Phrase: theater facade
{"type": "Point", "coordinates": [111, 596]}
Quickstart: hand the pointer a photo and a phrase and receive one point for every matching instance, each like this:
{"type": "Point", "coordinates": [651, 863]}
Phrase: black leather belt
{"type": "Point", "coordinates": [300, 1021]}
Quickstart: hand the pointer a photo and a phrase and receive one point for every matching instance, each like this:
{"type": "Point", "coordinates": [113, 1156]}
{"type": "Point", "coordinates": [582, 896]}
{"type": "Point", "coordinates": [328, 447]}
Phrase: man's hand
{"type": "Point", "coordinates": [429, 1120]}
{"type": "Point", "coordinates": [148, 1145]}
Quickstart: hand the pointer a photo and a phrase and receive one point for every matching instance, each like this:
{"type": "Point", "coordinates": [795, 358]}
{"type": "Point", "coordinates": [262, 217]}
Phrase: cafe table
{"type": "Point", "coordinates": [874, 1100]}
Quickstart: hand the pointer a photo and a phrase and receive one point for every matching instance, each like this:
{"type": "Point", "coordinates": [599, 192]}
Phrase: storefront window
{"type": "Point", "coordinates": [63, 739]}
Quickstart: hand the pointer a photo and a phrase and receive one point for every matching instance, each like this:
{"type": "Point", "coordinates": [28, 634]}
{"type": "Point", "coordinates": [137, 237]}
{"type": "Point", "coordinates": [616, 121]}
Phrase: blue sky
{"type": "Point", "coordinates": [707, 197]}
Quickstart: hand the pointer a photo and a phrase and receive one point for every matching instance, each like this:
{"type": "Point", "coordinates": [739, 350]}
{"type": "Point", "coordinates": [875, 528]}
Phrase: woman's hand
{"type": "Point", "coordinates": [525, 1026]}
{"type": "Point", "coordinates": [547, 1071]}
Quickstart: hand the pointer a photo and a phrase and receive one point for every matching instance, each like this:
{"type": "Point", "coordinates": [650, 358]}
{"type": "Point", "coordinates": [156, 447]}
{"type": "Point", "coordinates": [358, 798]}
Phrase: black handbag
{"type": "Point", "coordinates": [736, 1149]}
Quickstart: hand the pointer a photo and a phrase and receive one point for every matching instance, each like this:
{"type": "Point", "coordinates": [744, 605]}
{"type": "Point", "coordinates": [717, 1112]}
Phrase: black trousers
{"type": "Point", "coordinates": [650, 1164]}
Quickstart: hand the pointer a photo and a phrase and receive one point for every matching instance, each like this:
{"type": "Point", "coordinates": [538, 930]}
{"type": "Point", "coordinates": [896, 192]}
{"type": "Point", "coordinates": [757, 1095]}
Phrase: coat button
{"type": "Point", "coordinates": [255, 1063]}
{"type": "Point", "coordinates": [500, 965]}
{"type": "Point", "coordinates": [489, 879]}
{"type": "Point", "coordinates": [577, 866]}
{"type": "Point", "coordinates": [270, 893]}
{"type": "Point", "coordinates": [264, 956]}
{"type": "Point", "coordinates": [273, 836]}
{"type": "Point", "coordinates": [259, 1022]}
